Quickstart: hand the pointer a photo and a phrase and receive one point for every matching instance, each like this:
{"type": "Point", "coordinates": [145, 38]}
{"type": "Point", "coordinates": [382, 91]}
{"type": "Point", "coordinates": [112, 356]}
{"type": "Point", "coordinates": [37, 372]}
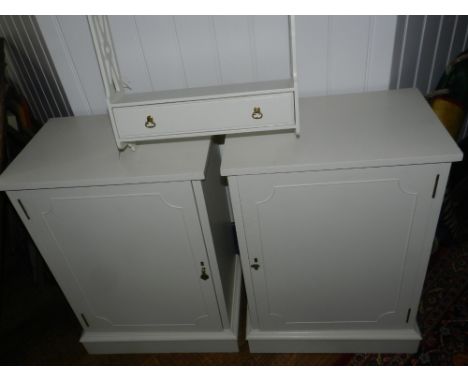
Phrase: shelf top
{"type": "Point", "coordinates": [387, 128]}
{"type": "Point", "coordinates": [81, 151]}
{"type": "Point", "coordinates": [123, 99]}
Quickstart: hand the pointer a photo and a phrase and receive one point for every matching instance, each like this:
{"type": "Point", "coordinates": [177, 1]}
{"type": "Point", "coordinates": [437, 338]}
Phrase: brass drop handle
{"type": "Point", "coordinates": [257, 113]}
{"type": "Point", "coordinates": [150, 122]}
{"type": "Point", "coordinates": [256, 265]}
{"type": "Point", "coordinates": [204, 276]}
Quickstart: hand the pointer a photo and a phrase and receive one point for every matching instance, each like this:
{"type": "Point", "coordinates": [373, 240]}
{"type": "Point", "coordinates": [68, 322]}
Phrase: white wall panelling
{"type": "Point", "coordinates": [335, 54]}
{"type": "Point", "coordinates": [79, 54]}
{"type": "Point", "coordinates": [423, 74]}
{"type": "Point", "coordinates": [424, 45]}
{"type": "Point", "coordinates": [447, 25]}
{"type": "Point", "coordinates": [344, 54]}
{"type": "Point", "coordinates": [191, 51]}
{"type": "Point", "coordinates": [31, 69]}
{"type": "Point", "coordinates": [412, 51]}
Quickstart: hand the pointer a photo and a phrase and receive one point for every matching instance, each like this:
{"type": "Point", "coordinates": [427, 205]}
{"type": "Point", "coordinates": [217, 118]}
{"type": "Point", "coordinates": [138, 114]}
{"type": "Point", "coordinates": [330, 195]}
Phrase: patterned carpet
{"type": "Point", "coordinates": [442, 316]}
{"type": "Point", "coordinates": [37, 326]}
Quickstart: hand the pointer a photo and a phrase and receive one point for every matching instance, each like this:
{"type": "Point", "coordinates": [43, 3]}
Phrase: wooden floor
{"type": "Point", "coordinates": [39, 328]}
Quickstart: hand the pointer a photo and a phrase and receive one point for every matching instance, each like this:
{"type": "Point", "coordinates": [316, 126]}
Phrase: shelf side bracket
{"type": "Point", "coordinates": [105, 52]}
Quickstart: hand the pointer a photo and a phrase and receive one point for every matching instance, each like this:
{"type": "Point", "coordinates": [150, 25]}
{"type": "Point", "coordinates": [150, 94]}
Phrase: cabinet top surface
{"type": "Point", "coordinates": [81, 151]}
{"type": "Point", "coordinates": [387, 128]}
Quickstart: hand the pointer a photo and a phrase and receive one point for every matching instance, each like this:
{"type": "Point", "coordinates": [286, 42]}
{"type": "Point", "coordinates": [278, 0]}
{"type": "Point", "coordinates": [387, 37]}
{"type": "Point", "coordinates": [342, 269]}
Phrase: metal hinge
{"type": "Point", "coordinates": [436, 183]}
{"type": "Point", "coordinates": [408, 315]}
{"type": "Point", "coordinates": [24, 209]}
{"type": "Point", "coordinates": [85, 320]}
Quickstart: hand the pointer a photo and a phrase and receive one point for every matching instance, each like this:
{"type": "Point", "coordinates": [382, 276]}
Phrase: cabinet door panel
{"type": "Point", "coordinates": [130, 256]}
{"type": "Point", "coordinates": [335, 248]}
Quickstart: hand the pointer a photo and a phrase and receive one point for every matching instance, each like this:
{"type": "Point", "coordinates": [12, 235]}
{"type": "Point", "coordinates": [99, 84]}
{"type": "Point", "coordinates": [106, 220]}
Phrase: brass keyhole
{"type": "Point", "coordinates": [257, 113]}
{"type": "Point", "coordinates": [150, 122]}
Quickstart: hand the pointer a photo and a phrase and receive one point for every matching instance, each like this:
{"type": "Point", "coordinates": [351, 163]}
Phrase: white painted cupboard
{"type": "Point", "coordinates": [335, 228]}
{"type": "Point", "coordinates": [193, 112]}
{"type": "Point", "coordinates": [130, 237]}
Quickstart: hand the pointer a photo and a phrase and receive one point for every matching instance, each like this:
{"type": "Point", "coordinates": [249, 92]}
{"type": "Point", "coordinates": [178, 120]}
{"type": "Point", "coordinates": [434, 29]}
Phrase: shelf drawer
{"type": "Point", "coordinates": [214, 116]}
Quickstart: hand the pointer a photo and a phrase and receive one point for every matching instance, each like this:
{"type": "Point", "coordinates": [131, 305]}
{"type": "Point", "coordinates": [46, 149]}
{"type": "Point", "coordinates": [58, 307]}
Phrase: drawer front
{"type": "Point", "coordinates": [234, 113]}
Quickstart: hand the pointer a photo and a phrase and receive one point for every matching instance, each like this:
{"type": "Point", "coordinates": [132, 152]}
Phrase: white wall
{"type": "Point", "coordinates": [335, 54]}
{"type": "Point", "coordinates": [30, 69]}
{"type": "Point", "coordinates": [424, 47]}
{"type": "Point", "coordinates": [344, 54]}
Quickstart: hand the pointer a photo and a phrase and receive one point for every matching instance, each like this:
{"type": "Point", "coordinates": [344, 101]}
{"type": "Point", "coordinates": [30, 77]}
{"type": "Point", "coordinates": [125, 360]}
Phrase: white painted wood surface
{"type": "Point", "coordinates": [340, 222]}
{"type": "Point", "coordinates": [209, 92]}
{"type": "Point", "coordinates": [80, 151]}
{"type": "Point", "coordinates": [217, 113]}
{"type": "Point", "coordinates": [202, 116]}
{"type": "Point", "coordinates": [333, 341]}
{"type": "Point", "coordinates": [212, 199]}
{"type": "Point", "coordinates": [335, 249]}
{"type": "Point", "coordinates": [336, 54]}
{"type": "Point", "coordinates": [310, 292]}
{"type": "Point", "coordinates": [128, 237]}
{"type": "Point", "coordinates": [344, 131]}
{"type": "Point", "coordinates": [115, 249]}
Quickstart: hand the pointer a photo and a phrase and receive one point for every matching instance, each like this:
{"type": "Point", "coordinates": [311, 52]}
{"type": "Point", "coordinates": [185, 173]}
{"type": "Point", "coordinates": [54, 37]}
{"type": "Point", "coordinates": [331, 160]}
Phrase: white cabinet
{"type": "Point", "coordinates": [333, 253]}
{"type": "Point", "coordinates": [141, 263]}
{"type": "Point", "coordinates": [192, 112]}
{"type": "Point", "coordinates": [120, 247]}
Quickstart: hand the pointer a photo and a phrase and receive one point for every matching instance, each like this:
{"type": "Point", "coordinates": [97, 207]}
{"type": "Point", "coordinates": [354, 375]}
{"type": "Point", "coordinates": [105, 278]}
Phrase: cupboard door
{"type": "Point", "coordinates": [335, 249]}
{"type": "Point", "coordinates": [127, 257]}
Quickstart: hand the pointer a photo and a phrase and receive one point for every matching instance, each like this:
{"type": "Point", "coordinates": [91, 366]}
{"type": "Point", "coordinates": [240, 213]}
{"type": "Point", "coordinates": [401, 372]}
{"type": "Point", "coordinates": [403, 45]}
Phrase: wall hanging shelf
{"type": "Point", "coordinates": [193, 112]}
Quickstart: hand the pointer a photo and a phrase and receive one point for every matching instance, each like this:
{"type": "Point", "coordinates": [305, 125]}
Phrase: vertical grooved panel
{"type": "Point", "coordinates": [198, 48]}
{"type": "Point", "coordinates": [67, 68]}
{"type": "Point", "coordinates": [252, 47]}
{"type": "Point", "coordinates": [272, 47]}
{"type": "Point", "coordinates": [16, 52]}
{"type": "Point", "coordinates": [233, 41]}
{"type": "Point", "coordinates": [418, 62]}
{"type": "Point", "coordinates": [129, 52]}
{"type": "Point", "coordinates": [335, 54]}
{"type": "Point", "coordinates": [13, 68]}
{"type": "Point", "coordinates": [429, 41]}
{"type": "Point", "coordinates": [411, 50]}
{"type": "Point", "coordinates": [424, 48]}
{"type": "Point", "coordinates": [442, 49]}
{"type": "Point", "coordinates": [38, 71]}
{"type": "Point", "coordinates": [312, 54]}
{"type": "Point", "coordinates": [434, 54]}
{"type": "Point", "coordinates": [454, 29]}
{"type": "Point", "coordinates": [329, 53]}
{"type": "Point", "coordinates": [370, 37]}
{"type": "Point", "coordinates": [460, 31]}
{"type": "Point", "coordinates": [160, 47]}
{"type": "Point", "coordinates": [348, 53]}
{"type": "Point", "coordinates": [77, 36]}
{"type": "Point", "coordinates": [54, 84]}
{"type": "Point", "coordinates": [397, 51]}
{"type": "Point", "coordinates": [382, 37]}
{"type": "Point", "coordinates": [403, 47]}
